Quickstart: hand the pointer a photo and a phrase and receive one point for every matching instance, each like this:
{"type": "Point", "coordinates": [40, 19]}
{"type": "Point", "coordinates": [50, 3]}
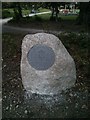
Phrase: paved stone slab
{"type": "Point", "coordinates": [46, 66]}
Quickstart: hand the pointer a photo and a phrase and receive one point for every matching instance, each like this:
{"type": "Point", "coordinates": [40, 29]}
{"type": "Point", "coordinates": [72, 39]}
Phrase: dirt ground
{"type": "Point", "coordinates": [72, 103]}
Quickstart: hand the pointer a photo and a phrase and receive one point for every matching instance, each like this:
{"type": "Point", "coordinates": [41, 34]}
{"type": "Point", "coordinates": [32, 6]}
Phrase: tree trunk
{"type": "Point", "coordinates": [55, 10]}
{"type": "Point", "coordinates": [83, 14]}
{"type": "Point", "coordinates": [17, 11]}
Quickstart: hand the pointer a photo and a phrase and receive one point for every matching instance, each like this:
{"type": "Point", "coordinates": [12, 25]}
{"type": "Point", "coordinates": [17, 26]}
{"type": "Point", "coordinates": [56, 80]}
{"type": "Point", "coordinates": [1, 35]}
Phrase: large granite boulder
{"type": "Point", "coordinates": [46, 66]}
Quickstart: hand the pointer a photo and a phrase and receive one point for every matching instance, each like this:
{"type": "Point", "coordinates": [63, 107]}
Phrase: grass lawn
{"type": "Point", "coordinates": [7, 13]}
{"type": "Point", "coordinates": [14, 104]}
{"type": "Point", "coordinates": [68, 17]}
{"type": "Point", "coordinates": [43, 10]}
{"type": "Point", "coordinates": [63, 17]}
{"type": "Point", "coordinates": [10, 13]}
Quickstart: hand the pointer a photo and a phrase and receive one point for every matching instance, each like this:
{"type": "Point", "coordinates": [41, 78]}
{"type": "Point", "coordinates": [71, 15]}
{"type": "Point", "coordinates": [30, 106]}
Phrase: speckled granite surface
{"type": "Point", "coordinates": [60, 76]}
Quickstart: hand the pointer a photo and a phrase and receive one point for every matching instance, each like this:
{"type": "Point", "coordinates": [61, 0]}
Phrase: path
{"type": "Point", "coordinates": [11, 29]}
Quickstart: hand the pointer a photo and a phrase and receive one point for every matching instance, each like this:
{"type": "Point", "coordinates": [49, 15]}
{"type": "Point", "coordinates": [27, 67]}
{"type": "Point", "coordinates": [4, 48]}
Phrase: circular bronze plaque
{"type": "Point", "coordinates": [41, 57]}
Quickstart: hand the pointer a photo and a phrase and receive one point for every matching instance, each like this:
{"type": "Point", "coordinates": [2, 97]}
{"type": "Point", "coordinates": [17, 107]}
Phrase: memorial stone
{"type": "Point", "coordinates": [46, 66]}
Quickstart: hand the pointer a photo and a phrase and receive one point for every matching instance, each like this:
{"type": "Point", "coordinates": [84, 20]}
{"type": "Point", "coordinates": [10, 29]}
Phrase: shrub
{"type": "Point", "coordinates": [6, 14]}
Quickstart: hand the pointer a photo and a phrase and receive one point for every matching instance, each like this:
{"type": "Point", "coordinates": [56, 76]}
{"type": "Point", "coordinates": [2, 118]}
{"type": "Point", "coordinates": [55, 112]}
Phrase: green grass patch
{"type": "Point", "coordinates": [45, 17]}
{"type": "Point", "coordinates": [43, 10]}
{"type": "Point", "coordinates": [26, 12]}
{"type": "Point", "coordinates": [68, 17]}
{"type": "Point", "coordinates": [63, 17]}
{"type": "Point", "coordinates": [37, 18]}
{"type": "Point", "coordinates": [7, 13]}
{"type": "Point", "coordinates": [10, 13]}
{"type": "Point", "coordinates": [9, 9]}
